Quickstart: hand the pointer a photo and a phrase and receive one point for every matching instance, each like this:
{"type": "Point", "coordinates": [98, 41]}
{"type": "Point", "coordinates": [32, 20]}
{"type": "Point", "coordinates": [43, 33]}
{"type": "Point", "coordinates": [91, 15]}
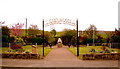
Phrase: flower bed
{"type": "Point", "coordinates": [105, 56]}
{"type": "Point", "coordinates": [15, 46]}
{"type": "Point", "coordinates": [21, 55]}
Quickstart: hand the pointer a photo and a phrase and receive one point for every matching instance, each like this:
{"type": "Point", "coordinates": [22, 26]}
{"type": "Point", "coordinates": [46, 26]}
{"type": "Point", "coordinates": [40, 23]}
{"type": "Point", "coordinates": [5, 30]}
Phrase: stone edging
{"type": "Point", "coordinates": [21, 56]}
{"type": "Point", "coordinates": [107, 56]}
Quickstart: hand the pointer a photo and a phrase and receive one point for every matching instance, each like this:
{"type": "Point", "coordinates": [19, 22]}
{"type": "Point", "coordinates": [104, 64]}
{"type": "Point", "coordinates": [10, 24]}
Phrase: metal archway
{"type": "Point", "coordinates": [61, 21]}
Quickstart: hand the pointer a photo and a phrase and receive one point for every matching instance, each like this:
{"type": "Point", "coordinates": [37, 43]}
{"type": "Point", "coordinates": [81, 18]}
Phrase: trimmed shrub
{"type": "Point", "coordinates": [88, 40]}
{"type": "Point", "coordinates": [38, 40]}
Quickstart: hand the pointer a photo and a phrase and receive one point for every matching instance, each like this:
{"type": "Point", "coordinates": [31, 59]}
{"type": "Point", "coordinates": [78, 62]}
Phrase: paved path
{"type": "Point", "coordinates": [58, 57]}
{"type": "Point", "coordinates": [61, 54]}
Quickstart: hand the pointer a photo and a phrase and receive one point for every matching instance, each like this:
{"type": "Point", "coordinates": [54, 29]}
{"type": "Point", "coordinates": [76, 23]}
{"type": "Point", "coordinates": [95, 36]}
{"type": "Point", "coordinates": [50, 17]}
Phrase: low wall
{"type": "Point", "coordinates": [21, 56]}
{"type": "Point", "coordinates": [107, 56]}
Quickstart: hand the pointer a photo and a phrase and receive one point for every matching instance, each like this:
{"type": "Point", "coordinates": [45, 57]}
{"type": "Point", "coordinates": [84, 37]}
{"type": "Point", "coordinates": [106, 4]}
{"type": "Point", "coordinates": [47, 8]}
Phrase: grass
{"type": "Point", "coordinates": [29, 49]}
{"type": "Point", "coordinates": [86, 50]}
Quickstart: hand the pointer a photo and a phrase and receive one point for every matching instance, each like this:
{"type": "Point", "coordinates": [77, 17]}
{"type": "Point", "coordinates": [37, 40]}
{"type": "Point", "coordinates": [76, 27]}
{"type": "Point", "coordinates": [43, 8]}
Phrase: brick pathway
{"type": "Point", "coordinates": [59, 57]}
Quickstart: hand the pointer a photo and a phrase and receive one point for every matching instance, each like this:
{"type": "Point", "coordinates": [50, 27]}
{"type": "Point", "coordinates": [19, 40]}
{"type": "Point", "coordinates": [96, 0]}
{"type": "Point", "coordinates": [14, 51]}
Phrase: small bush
{"type": "Point", "coordinates": [93, 51]}
{"type": "Point", "coordinates": [37, 40]}
{"type": "Point", "coordinates": [27, 52]}
{"type": "Point", "coordinates": [103, 48]}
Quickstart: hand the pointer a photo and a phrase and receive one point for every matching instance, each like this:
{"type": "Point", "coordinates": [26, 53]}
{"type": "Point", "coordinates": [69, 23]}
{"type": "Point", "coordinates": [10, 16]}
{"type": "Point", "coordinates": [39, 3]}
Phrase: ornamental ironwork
{"type": "Point", "coordinates": [60, 21]}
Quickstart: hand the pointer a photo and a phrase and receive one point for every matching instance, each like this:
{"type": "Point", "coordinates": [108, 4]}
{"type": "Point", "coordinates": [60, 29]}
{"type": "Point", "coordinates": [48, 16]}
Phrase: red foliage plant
{"type": "Point", "coordinates": [16, 29]}
{"type": "Point", "coordinates": [103, 48]}
{"type": "Point", "coordinates": [16, 47]}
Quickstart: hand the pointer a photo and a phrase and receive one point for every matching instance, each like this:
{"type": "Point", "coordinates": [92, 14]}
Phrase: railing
{"type": "Point", "coordinates": [7, 44]}
{"type": "Point", "coordinates": [10, 47]}
{"type": "Point", "coordinates": [107, 56]}
{"type": "Point", "coordinates": [110, 45]}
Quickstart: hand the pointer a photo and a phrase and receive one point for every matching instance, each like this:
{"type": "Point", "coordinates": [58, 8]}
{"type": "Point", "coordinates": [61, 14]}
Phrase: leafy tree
{"type": "Point", "coordinates": [16, 33]}
{"type": "Point", "coordinates": [73, 40]}
{"type": "Point", "coordinates": [99, 39]}
{"type": "Point", "coordinates": [33, 31]}
{"type": "Point", "coordinates": [88, 40]}
{"type": "Point", "coordinates": [53, 32]}
{"type": "Point", "coordinates": [68, 36]}
{"type": "Point", "coordinates": [5, 39]}
{"type": "Point", "coordinates": [37, 40]}
{"type": "Point", "coordinates": [109, 35]}
{"type": "Point", "coordinates": [89, 31]}
{"type": "Point", "coordinates": [5, 35]}
{"type": "Point", "coordinates": [17, 40]}
{"type": "Point", "coordinates": [87, 35]}
{"type": "Point", "coordinates": [117, 32]}
{"type": "Point", "coordinates": [35, 27]}
{"type": "Point", "coordinates": [48, 37]}
{"type": "Point", "coordinates": [16, 29]}
{"type": "Point", "coordinates": [82, 36]}
{"type": "Point", "coordinates": [51, 40]}
{"type": "Point", "coordinates": [115, 37]}
{"type": "Point", "coordinates": [5, 31]}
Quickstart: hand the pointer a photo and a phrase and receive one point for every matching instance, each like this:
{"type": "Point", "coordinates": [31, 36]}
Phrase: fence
{"type": "Point", "coordinates": [111, 45]}
{"type": "Point", "coordinates": [8, 47]}
{"type": "Point", "coordinates": [115, 45]}
{"type": "Point", "coordinates": [7, 44]}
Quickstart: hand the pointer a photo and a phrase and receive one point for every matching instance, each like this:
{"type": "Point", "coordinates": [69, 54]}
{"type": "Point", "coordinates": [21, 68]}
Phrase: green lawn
{"type": "Point", "coordinates": [29, 49]}
{"type": "Point", "coordinates": [86, 49]}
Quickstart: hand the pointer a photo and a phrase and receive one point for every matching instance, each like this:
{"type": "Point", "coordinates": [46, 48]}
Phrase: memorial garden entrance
{"type": "Point", "coordinates": [61, 21]}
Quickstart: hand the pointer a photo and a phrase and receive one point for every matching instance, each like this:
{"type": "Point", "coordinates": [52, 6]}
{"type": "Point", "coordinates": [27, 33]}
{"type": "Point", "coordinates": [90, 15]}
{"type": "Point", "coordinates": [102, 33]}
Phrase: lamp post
{"type": "Point", "coordinates": [1, 24]}
{"type": "Point", "coordinates": [77, 37]}
{"type": "Point", "coordinates": [43, 37]}
{"type": "Point", "coordinates": [93, 34]}
{"type": "Point", "coordinates": [26, 26]}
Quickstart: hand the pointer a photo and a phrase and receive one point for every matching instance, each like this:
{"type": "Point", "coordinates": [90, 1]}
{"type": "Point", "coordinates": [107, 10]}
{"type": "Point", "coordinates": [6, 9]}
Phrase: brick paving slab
{"type": "Point", "coordinates": [58, 57]}
{"type": "Point", "coordinates": [43, 63]}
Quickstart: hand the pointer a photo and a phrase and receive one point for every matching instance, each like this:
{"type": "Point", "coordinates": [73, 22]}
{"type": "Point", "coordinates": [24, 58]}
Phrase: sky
{"type": "Point", "coordinates": [102, 13]}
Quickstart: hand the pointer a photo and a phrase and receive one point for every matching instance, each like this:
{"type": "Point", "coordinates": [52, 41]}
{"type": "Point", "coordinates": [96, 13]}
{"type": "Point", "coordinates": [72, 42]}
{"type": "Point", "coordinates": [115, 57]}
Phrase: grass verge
{"type": "Point", "coordinates": [29, 49]}
{"type": "Point", "coordinates": [86, 50]}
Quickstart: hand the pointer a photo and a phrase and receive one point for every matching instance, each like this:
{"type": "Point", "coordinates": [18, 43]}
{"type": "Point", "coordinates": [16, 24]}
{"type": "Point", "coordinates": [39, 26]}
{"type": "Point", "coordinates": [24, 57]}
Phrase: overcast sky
{"type": "Point", "coordinates": [102, 13]}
